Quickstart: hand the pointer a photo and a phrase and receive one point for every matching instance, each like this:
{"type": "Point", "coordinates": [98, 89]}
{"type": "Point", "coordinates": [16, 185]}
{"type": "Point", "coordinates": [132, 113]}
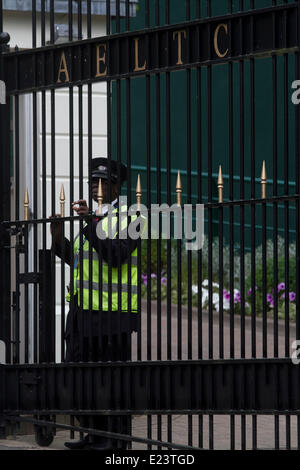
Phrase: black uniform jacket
{"type": "Point", "coordinates": [113, 252]}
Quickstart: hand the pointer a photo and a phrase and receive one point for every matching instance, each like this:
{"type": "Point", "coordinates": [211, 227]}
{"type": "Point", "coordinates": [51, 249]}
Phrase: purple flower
{"type": "Point", "coordinates": [144, 277]}
{"type": "Point", "coordinates": [227, 296]}
{"type": "Point", "coordinates": [269, 298]}
{"type": "Point", "coordinates": [280, 286]}
{"type": "Point", "coordinates": [282, 296]}
{"type": "Point", "coordinates": [224, 291]}
{"type": "Point", "coordinates": [153, 276]}
{"type": "Point", "coordinates": [250, 290]}
{"type": "Point", "coordinates": [164, 281]}
{"type": "Point", "coordinates": [292, 296]}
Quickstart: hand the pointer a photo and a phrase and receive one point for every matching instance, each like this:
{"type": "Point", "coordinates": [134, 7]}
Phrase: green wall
{"type": "Point", "coordinates": [220, 127]}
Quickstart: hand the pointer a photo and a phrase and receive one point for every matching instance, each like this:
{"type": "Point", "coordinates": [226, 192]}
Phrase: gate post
{"type": "Point", "coordinates": [5, 300]}
{"type": "Point", "coordinates": [46, 313]}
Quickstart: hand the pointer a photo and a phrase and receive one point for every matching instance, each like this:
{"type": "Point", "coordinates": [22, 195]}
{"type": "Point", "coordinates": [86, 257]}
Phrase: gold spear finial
{"type": "Point", "coordinates": [138, 192]}
{"type": "Point", "coordinates": [100, 196]}
{"type": "Point", "coordinates": [26, 205]}
{"type": "Point", "coordinates": [178, 189]}
{"type": "Point", "coordinates": [264, 181]}
{"type": "Point", "coordinates": [220, 184]}
{"type": "Point", "coordinates": [62, 199]}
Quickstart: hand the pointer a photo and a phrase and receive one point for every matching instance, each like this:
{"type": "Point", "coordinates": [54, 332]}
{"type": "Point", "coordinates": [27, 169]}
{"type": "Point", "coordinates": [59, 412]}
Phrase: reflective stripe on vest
{"type": "Point", "coordinates": [95, 257]}
{"type": "Point", "coordinates": [105, 287]}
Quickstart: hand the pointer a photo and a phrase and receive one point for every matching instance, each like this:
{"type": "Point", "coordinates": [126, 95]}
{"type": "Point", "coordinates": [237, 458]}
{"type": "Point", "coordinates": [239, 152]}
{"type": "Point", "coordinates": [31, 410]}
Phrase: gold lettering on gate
{"type": "Point", "coordinates": [100, 59]}
{"type": "Point", "coordinates": [136, 50]}
{"type": "Point", "coordinates": [216, 43]}
{"type": "Point", "coordinates": [179, 44]}
{"type": "Point", "coordinates": [63, 68]}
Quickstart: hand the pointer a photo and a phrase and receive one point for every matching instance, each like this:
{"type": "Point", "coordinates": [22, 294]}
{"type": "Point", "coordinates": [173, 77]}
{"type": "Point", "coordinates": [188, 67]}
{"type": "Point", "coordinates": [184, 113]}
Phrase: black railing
{"type": "Point", "coordinates": [198, 351]}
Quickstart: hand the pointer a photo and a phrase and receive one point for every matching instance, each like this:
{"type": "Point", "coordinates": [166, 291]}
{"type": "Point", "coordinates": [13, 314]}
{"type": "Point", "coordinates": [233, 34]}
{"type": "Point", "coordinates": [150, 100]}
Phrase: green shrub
{"type": "Point", "coordinates": [153, 255]}
{"type": "Point", "coordinates": [186, 285]}
{"type": "Point", "coordinates": [270, 274]}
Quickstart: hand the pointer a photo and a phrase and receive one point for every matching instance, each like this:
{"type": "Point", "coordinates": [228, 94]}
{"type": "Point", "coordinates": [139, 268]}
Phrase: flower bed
{"type": "Point", "coordinates": [274, 286]}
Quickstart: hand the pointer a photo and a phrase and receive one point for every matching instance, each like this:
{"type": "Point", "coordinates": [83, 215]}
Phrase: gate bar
{"type": "Point", "coordinates": [5, 208]}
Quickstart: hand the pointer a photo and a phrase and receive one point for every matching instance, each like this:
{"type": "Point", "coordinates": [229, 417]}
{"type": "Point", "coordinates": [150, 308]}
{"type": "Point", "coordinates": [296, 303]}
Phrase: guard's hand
{"type": "Point", "coordinates": [56, 227]}
{"type": "Point", "coordinates": [80, 207]}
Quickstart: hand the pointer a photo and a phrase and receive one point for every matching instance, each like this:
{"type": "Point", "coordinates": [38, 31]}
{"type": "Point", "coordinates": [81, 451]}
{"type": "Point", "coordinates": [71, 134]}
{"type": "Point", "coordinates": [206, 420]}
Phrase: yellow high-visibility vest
{"type": "Point", "coordinates": [100, 285]}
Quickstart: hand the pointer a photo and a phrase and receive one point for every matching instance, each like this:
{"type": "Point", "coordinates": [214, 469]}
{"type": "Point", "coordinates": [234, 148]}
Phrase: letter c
{"type": "Point", "coordinates": [216, 44]}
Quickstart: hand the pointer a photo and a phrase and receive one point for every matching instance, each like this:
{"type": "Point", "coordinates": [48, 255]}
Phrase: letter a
{"type": "Point", "coordinates": [63, 68]}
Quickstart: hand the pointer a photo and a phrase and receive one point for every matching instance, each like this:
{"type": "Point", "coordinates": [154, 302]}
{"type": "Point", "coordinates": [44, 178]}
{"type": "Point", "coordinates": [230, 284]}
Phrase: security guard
{"type": "Point", "coordinates": [93, 332]}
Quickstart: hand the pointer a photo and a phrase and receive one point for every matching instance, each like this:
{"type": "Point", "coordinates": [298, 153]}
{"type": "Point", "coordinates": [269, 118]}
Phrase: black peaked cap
{"type": "Point", "coordinates": [100, 169]}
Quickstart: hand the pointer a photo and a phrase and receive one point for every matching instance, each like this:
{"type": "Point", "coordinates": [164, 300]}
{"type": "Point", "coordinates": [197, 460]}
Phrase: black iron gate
{"type": "Point", "coordinates": [208, 359]}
